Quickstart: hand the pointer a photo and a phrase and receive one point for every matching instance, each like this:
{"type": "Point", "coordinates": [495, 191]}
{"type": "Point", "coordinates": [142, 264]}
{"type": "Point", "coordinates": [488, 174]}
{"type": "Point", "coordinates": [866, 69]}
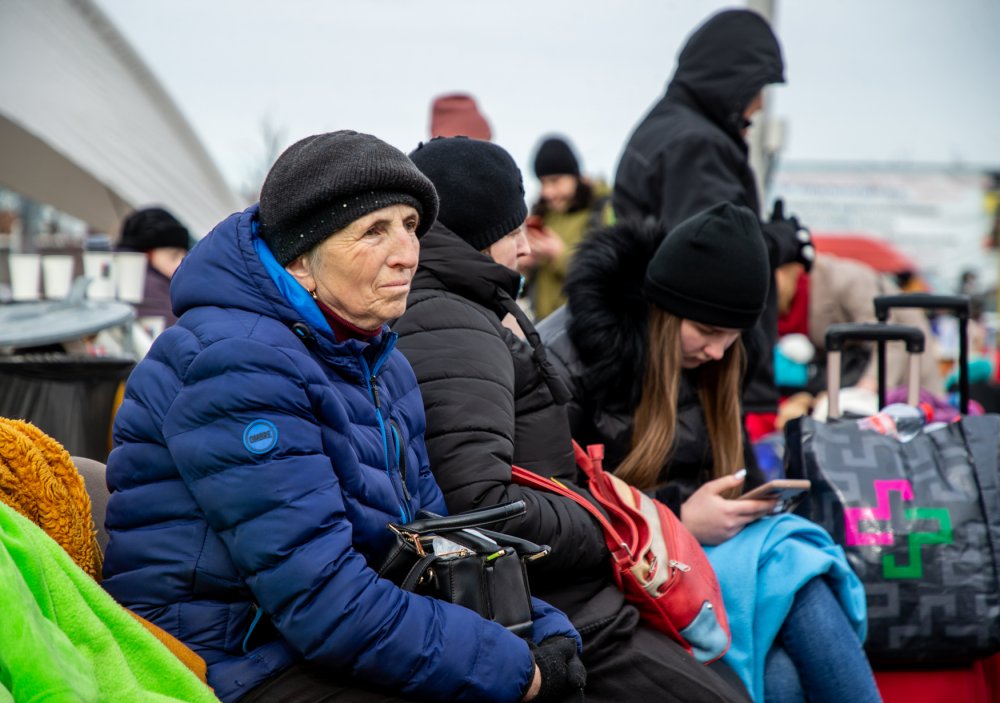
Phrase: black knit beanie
{"type": "Point", "coordinates": [323, 183]}
{"type": "Point", "coordinates": [482, 195]}
{"type": "Point", "coordinates": [153, 228]}
{"type": "Point", "coordinates": [712, 268]}
{"type": "Point", "coordinates": [555, 157]}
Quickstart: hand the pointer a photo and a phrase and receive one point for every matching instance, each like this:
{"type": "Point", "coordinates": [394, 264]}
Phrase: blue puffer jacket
{"type": "Point", "coordinates": [256, 464]}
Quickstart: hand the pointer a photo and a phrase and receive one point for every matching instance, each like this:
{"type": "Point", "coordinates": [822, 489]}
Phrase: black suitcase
{"type": "Point", "coordinates": [918, 520]}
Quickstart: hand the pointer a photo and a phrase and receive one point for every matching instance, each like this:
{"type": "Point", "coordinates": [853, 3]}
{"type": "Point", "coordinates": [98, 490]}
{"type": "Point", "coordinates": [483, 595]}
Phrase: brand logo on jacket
{"type": "Point", "coordinates": [260, 436]}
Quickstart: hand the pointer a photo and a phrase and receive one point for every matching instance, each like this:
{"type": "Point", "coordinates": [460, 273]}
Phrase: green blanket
{"type": "Point", "coordinates": [64, 639]}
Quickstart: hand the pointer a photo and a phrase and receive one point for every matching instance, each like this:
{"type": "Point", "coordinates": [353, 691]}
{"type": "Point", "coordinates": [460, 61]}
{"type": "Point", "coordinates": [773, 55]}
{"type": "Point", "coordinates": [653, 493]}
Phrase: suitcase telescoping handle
{"type": "Point", "coordinates": [957, 304]}
{"type": "Point", "coordinates": [839, 334]}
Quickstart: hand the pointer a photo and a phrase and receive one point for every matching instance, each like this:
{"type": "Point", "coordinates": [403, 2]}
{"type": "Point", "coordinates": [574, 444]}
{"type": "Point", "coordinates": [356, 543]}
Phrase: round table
{"type": "Point", "coordinates": [36, 324]}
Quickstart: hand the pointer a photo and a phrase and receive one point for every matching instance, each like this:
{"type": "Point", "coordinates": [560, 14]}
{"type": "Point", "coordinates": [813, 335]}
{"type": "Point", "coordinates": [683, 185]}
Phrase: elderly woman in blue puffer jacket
{"type": "Point", "coordinates": [268, 438]}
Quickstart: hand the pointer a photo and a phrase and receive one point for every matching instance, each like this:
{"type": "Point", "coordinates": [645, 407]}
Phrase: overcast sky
{"type": "Point", "coordinates": [868, 80]}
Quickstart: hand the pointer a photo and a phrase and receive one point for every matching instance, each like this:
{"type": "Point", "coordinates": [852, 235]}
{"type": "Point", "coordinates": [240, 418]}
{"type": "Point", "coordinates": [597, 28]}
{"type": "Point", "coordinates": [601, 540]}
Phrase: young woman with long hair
{"type": "Point", "coordinates": [651, 343]}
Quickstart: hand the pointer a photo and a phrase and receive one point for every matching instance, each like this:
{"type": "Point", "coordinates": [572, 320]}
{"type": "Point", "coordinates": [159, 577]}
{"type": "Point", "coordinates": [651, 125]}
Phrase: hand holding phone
{"type": "Point", "coordinates": [786, 491]}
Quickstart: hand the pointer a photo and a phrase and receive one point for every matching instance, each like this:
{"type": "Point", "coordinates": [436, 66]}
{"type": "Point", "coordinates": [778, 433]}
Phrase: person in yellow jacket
{"type": "Point", "coordinates": [568, 207]}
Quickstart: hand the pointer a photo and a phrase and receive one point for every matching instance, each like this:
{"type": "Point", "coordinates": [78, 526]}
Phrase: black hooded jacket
{"type": "Point", "coordinates": [687, 154]}
{"type": "Point", "coordinates": [491, 400]}
{"type": "Point", "coordinates": [599, 343]}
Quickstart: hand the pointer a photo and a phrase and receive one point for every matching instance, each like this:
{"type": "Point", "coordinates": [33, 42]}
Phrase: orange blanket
{"type": "Point", "coordinates": [38, 480]}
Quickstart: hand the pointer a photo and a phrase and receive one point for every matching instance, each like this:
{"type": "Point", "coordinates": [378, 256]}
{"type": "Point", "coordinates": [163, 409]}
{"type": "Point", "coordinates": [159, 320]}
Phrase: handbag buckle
{"type": "Point", "coordinates": [413, 537]}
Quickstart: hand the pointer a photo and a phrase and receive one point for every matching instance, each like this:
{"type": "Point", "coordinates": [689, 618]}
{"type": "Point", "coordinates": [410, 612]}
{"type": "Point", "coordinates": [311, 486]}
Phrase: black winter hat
{"type": "Point", "coordinates": [712, 268]}
{"type": "Point", "coordinates": [480, 186]}
{"type": "Point", "coordinates": [323, 183]}
{"type": "Point", "coordinates": [153, 228]}
{"type": "Point", "coordinates": [555, 157]}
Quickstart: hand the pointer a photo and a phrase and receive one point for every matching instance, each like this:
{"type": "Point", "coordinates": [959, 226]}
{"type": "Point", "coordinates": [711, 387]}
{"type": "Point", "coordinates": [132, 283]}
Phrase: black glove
{"type": "Point", "coordinates": [787, 240]}
{"type": "Point", "coordinates": [561, 669]}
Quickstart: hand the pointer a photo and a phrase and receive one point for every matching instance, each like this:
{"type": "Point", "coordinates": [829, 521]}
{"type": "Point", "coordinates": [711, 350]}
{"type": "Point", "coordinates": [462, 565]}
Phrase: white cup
{"type": "Point", "coordinates": [99, 267]}
{"type": "Point", "coordinates": [130, 269]}
{"type": "Point", "coordinates": [25, 275]}
{"type": "Point", "coordinates": [57, 275]}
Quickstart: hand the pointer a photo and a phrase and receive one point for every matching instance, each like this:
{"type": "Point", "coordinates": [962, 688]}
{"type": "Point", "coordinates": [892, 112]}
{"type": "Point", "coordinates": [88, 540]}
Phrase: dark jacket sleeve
{"type": "Point", "coordinates": [466, 377]}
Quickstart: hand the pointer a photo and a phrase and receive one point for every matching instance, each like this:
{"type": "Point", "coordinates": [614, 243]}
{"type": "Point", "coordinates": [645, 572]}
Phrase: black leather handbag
{"type": "Point", "coordinates": [454, 559]}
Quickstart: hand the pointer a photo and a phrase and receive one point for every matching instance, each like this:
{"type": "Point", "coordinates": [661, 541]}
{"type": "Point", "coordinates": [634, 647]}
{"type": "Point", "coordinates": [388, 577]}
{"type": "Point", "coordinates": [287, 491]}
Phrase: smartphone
{"type": "Point", "coordinates": [787, 491]}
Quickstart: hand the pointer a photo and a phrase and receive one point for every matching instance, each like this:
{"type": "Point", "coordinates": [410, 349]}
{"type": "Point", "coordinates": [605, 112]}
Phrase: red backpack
{"type": "Point", "coordinates": [658, 564]}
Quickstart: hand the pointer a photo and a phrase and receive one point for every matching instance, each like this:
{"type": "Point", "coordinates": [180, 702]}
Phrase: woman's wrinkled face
{"type": "Point", "coordinates": [702, 343]}
{"type": "Point", "coordinates": [509, 249]}
{"type": "Point", "coordinates": [363, 272]}
{"type": "Point", "coordinates": [558, 191]}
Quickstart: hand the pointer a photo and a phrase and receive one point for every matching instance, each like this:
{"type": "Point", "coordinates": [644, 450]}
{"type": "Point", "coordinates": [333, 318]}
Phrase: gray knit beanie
{"type": "Point", "coordinates": [323, 183]}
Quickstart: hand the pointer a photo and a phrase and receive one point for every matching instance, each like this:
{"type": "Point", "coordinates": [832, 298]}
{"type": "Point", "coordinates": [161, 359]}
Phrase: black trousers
{"type": "Point", "coordinates": [627, 661]}
{"type": "Point", "coordinates": [304, 684]}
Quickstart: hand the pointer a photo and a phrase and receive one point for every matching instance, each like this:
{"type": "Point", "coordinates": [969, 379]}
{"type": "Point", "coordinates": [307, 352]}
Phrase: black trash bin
{"type": "Point", "coordinates": [70, 398]}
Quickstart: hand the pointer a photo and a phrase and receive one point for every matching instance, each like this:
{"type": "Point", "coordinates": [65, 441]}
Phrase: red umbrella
{"type": "Point", "coordinates": [877, 253]}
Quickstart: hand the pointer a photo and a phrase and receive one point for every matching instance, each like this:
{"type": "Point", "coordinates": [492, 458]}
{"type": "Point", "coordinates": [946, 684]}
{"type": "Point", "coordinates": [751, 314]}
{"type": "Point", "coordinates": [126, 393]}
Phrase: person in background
{"type": "Point", "coordinates": [568, 206]}
{"type": "Point", "coordinates": [492, 400]}
{"type": "Point", "coordinates": [968, 284]}
{"type": "Point", "coordinates": [840, 290]}
{"type": "Point", "coordinates": [165, 241]}
{"type": "Point", "coordinates": [649, 342]}
{"type": "Point", "coordinates": [458, 115]}
{"type": "Point", "coordinates": [690, 152]}
{"type": "Point", "coordinates": [269, 437]}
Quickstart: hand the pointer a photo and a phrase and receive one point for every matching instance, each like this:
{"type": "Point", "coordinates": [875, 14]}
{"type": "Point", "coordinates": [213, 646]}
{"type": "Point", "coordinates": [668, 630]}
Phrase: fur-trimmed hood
{"type": "Point", "coordinates": [599, 343]}
{"type": "Point", "coordinates": [608, 315]}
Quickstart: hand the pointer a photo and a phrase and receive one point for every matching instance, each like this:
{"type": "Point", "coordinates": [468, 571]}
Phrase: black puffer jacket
{"type": "Point", "coordinates": [492, 400]}
{"type": "Point", "coordinates": [687, 154]}
{"type": "Point", "coordinates": [598, 341]}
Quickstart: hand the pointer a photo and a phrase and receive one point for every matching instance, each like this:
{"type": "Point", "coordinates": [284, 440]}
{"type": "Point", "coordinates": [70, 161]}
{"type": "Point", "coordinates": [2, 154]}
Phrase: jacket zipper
{"type": "Point", "coordinates": [402, 495]}
{"type": "Point", "coordinates": [400, 457]}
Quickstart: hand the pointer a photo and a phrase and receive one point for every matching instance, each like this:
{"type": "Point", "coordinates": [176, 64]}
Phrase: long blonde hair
{"type": "Point", "coordinates": [655, 418]}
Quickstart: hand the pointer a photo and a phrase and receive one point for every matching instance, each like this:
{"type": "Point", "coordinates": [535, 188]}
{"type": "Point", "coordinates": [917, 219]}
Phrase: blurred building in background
{"type": "Point", "coordinates": [87, 134]}
{"type": "Point", "coordinates": [940, 217]}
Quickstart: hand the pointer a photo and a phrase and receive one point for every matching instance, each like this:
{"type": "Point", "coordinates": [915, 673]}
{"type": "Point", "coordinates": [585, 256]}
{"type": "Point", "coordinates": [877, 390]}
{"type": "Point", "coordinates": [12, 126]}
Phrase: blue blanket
{"type": "Point", "coordinates": [760, 571]}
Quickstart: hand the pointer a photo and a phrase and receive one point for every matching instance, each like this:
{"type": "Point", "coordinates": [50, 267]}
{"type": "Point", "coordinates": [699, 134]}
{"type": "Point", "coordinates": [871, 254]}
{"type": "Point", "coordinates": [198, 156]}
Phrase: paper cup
{"type": "Point", "coordinates": [130, 269]}
{"type": "Point", "coordinates": [25, 275]}
{"type": "Point", "coordinates": [57, 275]}
{"type": "Point", "coordinates": [99, 267]}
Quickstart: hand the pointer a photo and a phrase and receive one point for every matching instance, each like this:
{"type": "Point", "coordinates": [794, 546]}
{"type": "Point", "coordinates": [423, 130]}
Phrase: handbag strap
{"type": "Point", "coordinates": [590, 460]}
{"type": "Point", "coordinates": [618, 547]}
{"type": "Point", "coordinates": [459, 521]}
{"type": "Point", "coordinates": [413, 576]}
{"type": "Point", "coordinates": [523, 547]}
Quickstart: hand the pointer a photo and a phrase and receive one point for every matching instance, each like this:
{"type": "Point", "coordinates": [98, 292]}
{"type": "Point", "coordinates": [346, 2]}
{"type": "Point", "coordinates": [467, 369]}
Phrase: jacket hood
{"type": "Point", "coordinates": [233, 268]}
{"type": "Point", "coordinates": [608, 315]}
{"type": "Point", "coordinates": [447, 261]}
{"type": "Point", "coordinates": [725, 63]}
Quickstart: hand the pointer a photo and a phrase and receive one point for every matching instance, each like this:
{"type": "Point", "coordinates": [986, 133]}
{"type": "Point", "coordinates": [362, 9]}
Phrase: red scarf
{"type": "Point", "coordinates": [796, 320]}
